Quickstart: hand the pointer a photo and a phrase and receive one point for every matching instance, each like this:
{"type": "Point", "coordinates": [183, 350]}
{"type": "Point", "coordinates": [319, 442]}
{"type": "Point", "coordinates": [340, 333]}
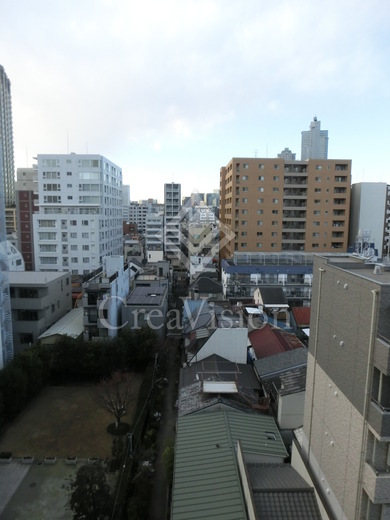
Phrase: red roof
{"type": "Point", "coordinates": [269, 341]}
{"type": "Point", "coordinates": [302, 316]}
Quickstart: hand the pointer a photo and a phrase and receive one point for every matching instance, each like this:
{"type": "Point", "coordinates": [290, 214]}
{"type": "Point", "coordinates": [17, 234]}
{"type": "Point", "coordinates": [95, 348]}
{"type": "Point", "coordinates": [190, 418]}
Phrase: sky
{"type": "Point", "coordinates": [172, 90]}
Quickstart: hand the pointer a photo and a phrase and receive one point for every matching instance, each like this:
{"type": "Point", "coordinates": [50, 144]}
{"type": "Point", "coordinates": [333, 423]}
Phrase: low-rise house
{"type": "Point", "coordinates": [216, 383]}
{"type": "Point", "coordinates": [211, 453]}
{"type": "Point", "coordinates": [38, 300]}
{"type": "Point", "coordinates": [71, 325]}
{"type": "Point", "coordinates": [212, 328]}
{"type": "Point", "coordinates": [146, 307]}
{"type": "Point", "coordinates": [206, 286]}
{"type": "Point", "coordinates": [103, 296]}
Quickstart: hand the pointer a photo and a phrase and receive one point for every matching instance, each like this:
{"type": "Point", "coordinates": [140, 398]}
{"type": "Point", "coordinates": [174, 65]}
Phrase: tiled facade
{"type": "Point", "coordinates": [273, 205]}
{"type": "Point", "coordinates": [346, 438]}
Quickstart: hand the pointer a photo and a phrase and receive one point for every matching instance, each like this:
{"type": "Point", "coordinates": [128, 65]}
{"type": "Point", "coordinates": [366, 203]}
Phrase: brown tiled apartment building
{"type": "Point", "coordinates": [278, 205]}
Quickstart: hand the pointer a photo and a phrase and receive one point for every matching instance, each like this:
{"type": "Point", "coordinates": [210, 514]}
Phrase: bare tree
{"type": "Point", "coordinates": [115, 394]}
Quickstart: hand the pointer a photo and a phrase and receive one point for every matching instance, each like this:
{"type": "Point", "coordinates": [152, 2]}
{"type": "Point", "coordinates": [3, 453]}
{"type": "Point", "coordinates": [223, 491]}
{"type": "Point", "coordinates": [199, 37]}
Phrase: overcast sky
{"type": "Point", "coordinates": [172, 90]}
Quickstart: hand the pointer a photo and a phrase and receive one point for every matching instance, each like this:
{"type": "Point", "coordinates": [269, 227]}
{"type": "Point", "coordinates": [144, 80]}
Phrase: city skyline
{"type": "Point", "coordinates": [171, 92]}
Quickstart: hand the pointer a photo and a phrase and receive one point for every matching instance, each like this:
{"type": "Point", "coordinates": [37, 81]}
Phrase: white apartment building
{"type": "Point", "coordinates": [80, 212]}
{"type": "Point", "coordinates": [172, 220]}
{"type": "Point", "coordinates": [126, 202]}
{"type": "Point", "coordinates": [369, 217]}
{"type": "Point", "coordinates": [154, 236]}
{"type": "Point", "coordinates": [139, 211]}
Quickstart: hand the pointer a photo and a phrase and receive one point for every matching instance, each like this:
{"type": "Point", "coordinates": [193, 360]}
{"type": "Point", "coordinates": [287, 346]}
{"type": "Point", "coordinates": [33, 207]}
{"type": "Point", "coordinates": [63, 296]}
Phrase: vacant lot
{"type": "Point", "coordinates": [63, 421]}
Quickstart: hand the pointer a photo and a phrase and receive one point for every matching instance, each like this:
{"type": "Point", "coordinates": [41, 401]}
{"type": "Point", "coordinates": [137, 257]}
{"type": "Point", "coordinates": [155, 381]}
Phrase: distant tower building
{"type": "Point", "coordinates": [314, 142]}
{"type": "Point", "coordinates": [6, 139]}
{"type": "Point", "coordinates": [287, 155]}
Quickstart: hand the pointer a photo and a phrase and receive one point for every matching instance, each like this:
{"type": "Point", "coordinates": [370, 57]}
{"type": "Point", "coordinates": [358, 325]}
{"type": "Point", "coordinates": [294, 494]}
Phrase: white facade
{"type": "Point", "coordinates": [126, 202]}
{"type": "Point", "coordinates": [80, 212]}
{"type": "Point", "coordinates": [172, 219]}
{"type": "Point", "coordinates": [139, 211]}
{"type": "Point", "coordinates": [15, 258]}
{"type": "Point", "coordinates": [314, 142]}
{"type": "Point", "coordinates": [368, 212]}
{"type": "Point", "coordinates": [154, 236]}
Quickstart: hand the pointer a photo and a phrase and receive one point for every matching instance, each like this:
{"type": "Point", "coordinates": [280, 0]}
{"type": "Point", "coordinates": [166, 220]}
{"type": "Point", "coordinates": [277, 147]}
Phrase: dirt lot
{"type": "Point", "coordinates": [61, 422]}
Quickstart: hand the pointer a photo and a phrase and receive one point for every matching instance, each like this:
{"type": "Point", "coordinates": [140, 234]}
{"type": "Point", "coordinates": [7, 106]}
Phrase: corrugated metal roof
{"type": "Point", "coordinates": [206, 481]}
{"type": "Point", "coordinates": [271, 365]}
{"type": "Point", "coordinates": [69, 325]}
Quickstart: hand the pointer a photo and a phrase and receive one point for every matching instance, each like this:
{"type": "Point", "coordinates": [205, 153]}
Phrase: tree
{"type": "Point", "coordinates": [90, 497]}
{"type": "Point", "coordinates": [115, 394]}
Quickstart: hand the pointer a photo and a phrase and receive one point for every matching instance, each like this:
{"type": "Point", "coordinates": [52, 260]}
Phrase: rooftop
{"type": "Point", "coordinates": [34, 278]}
{"type": "Point", "coordinates": [147, 296]}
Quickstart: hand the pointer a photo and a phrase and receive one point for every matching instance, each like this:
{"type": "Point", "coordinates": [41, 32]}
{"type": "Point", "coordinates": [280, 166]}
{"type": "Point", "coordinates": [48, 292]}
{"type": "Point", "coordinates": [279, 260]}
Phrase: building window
{"type": "Point", "coordinates": [260, 201]}
{"type": "Point", "coordinates": [317, 190]}
{"type": "Point", "coordinates": [274, 233]}
{"type": "Point", "coordinates": [74, 260]}
{"type": "Point", "coordinates": [26, 338]}
{"type": "Point", "coordinates": [68, 174]}
{"type": "Point", "coordinates": [244, 222]}
{"type": "Point", "coordinates": [243, 244]}
{"type": "Point", "coordinates": [261, 189]}
{"type": "Point", "coordinates": [316, 234]}
{"type": "Point", "coordinates": [84, 222]}
{"type": "Point", "coordinates": [245, 188]}
{"type": "Point", "coordinates": [86, 259]}
{"type": "Point", "coordinates": [85, 235]}
{"type": "Point", "coordinates": [275, 201]}
{"type": "Point", "coordinates": [245, 177]}
{"type": "Point", "coordinates": [261, 167]}
{"type": "Point", "coordinates": [244, 212]}
{"type": "Point", "coordinates": [276, 178]}
{"type": "Point", "coordinates": [244, 200]}
{"type": "Point", "coordinates": [275, 211]}
{"type": "Point", "coordinates": [260, 211]}
{"type": "Point", "coordinates": [85, 247]}
{"type": "Point", "coordinates": [316, 223]}
{"type": "Point", "coordinates": [245, 165]}
{"type": "Point", "coordinates": [274, 245]}
{"type": "Point", "coordinates": [318, 167]}
{"type": "Point", "coordinates": [259, 244]}
{"type": "Point", "coordinates": [274, 222]}
{"type": "Point", "coordinates": [259, 234]}
{"type": "Point", "coordinates": [317, 212]}
{"type": "Point", "coordinates": [275, 189]}
{"type": "Point", "coordinates": [318, 179]}
{"type": "Point", "coordinates": [73, 222]}
{"type": "Point", "coordinates": [259, 222]}
{"type": "Point", "coordinates": [244, 233]}
{"type": "Point", "coordinates": [314, 246]}
{"type": "Point", "coordinates": [261, 177]}
{"type": "Point", "coordinates": [73, 247]}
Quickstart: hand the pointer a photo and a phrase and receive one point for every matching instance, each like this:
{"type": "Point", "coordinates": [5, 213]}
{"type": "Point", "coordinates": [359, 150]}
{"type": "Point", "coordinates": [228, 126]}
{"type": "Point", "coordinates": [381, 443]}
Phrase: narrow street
{"type": "Point", "coordinates": [170, 354]}
{"type": "Point", "coordinates": [159, 501]}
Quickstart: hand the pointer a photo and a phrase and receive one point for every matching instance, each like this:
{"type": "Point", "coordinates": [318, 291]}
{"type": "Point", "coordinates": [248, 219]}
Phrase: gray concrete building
{"type": "Point", "coordinates": [346, 434]}
{"type": "Point", "coordinates": [38, 300]}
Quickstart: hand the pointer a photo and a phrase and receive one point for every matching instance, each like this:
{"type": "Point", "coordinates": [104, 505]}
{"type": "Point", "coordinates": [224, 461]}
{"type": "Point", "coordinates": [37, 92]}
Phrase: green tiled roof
{"type": "Point", "coordinates": [206, 480]}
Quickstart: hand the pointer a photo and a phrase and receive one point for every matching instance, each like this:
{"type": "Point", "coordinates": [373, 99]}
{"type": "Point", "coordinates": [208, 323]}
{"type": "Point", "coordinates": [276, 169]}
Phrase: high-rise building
{"type": "Point", "coordinates": [314, 142]}
{"type": "Point", "coordinates": [368, 214]}
{"type": "Point", "coordinates": [126, 202]}
{"type": "Point", "coordinates": [139, 211]}
{"type": "Point", "coordinates": [7, 140]}
{"type": "Point", "coordinates": [26, 191]}
{"type": "Point", "coordinates": [6, 339]}
{"type": "Point", "coordinates": [287, 155]}
{"type": "Point", "coordinates": [346, 431]}
{"type": "Point", "coordinates": [80, 212]}
{"type": "Point", "coordinates": [172, 220]}
{"type": "Point", "coordinates": [273, 205]}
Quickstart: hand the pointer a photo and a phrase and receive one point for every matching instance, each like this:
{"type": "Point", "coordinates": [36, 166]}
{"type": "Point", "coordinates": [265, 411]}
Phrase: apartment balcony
{"type": "Point", "coordinates": [295, 193]}
{"type": "Point", "coordinates": [382, 354]}
{"type": "Point", "coordinates": [293, 203]}
{"type": "Point", "coordinates": [293, 237]}
{"type": "Point", "coordinates": [379, 419]}
{"type": "Point", "coordinates": [295, 182]}
{"type": "Point", "coordinates": [294, 169]}
{"type": "Point", "coordinates": [376, 484]}
{"type": "Point", "coordinates": [294, 215]}
{"type": "Point", "coordinates": [291, 226]}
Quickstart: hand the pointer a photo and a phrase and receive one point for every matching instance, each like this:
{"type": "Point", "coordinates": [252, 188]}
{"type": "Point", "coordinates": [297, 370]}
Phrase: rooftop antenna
{"type": "Point", "coordinates": [256, 153]}
{"type": "Point", "coordinates": [67, 138]}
